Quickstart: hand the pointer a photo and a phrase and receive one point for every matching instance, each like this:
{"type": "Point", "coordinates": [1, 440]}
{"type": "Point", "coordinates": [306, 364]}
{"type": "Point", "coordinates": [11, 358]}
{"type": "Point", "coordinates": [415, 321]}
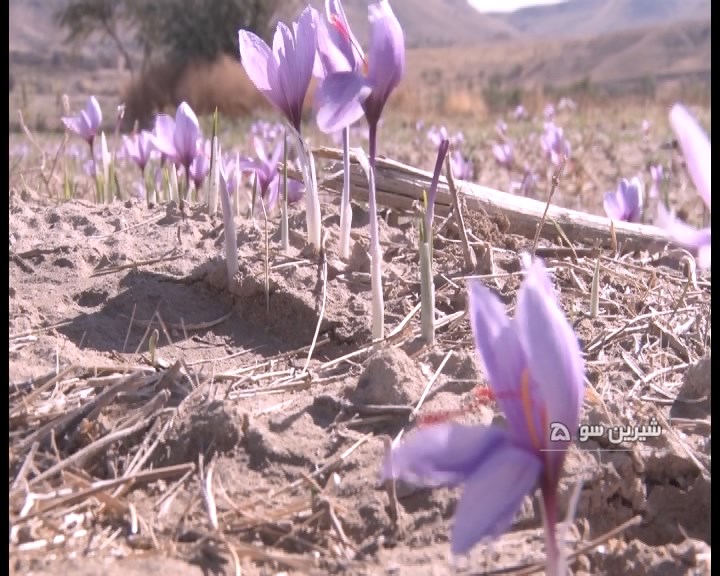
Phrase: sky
{"type": "Point", "coordinates": [507, 5]}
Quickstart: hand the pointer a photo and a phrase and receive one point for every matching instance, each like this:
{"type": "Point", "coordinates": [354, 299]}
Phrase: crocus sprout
{"type": "Point", "coordinates": [178, 138]}
{"type": "Point", "coordinates": [339, 52]}
{"type": "Point", "coordinates": [427, 286]}
{"type": "Point", "coordinates": [343, 98]}
{"type": "Point", "coordinates": [283, 76]}
{"type": "Point", "coordinates": [535, 370]}
{"type": "Point", "coordinates": [215, 161]}
{"type": "Point", "coordinates": [225, 189]}
{"type": "Point", "coordinates": [626, 202]}
{"type": "Point", "coordinates": [695, 146]}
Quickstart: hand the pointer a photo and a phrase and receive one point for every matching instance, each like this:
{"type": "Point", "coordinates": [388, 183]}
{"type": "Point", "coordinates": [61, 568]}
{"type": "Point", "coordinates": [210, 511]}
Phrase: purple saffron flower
{"type": "Point", "coordinates": [520, 113]}
{"type": "Point", "coordinates": [535, 370]}
{"type": "Point", "coordinates": [337, 48]}
{"type": "Point", "coordinates": [462, 169]}
{"type": "Point", "coordinates": [626, 202]}
{"type": "Point", "coordinates": [695, 146]}
{"type": "Point", "coordinates": [200, 165]}
{"type": "Point", "coordinates": [549, 112]}
{"type": "Point", "coordinates": [657, 175]}
{"type": "Point", "coordinates": [283, 74]}
{"type": "Point", "coordinates": [345, 96]}
{"type": "Point", "coordinates": [554, 144]}
{"type": "Point", "coordinates": [268, 177]}
{"type": "Point", "coordinates": [139, 148]}
{"type": "Point", "coordinates": [178, 138]}
{"type": "Point", "coordinates": [503, 154]}
{"type": "Point", "coordinates": [87, 123]}
{"type": "Point", "coordinates": [501, 128]}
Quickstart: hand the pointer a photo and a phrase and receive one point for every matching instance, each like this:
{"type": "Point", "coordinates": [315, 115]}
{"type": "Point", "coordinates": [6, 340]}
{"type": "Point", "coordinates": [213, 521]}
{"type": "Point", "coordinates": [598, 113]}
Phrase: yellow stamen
{"type": "Point", "coordinates": [527, 408]}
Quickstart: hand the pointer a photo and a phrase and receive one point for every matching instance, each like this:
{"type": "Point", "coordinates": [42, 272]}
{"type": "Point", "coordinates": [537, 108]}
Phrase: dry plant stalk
{"type": "Point", "coordinates": [400, 186]}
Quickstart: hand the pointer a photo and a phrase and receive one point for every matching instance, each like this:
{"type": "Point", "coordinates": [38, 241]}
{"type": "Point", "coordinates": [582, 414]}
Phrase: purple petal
{"type": "Point", "coordinates": [696, 240]}
{"type": "Point", "coordinates": [696, 149]}
{"type": "Point", "coordinates": [386, 65]}
{"type": "Point", "coordinates": [75, 124]}
{"type": "Point", "coordinates": [500, 349]}
{"type": "Point", "coordinates": [339, 100]}
{"type": "Point", "coordinates": [332, 50]}
{"type": "Point", "coordinates": [493, 495]}
{"type": "Point", "coordinates": [614, 205]}
{"type": "Point", "coordinates": [187, 132]}
{"type": "Point", "coordinates": [269, 197]}
{"type": "Point", "coordinates": [163, 135]}
{"type": "Point", "coordinates": [443, 454]}
{"type": "Point", "coordinates": [94, 114]}
{"type": "Point", "coordinates": [552, 349]}
{"type": "Point", "coordinates": [295, 191]}
{"type": "Point", "coordinates": [257, 60]}
{"type": "Point", "coordinates": [634, 200]}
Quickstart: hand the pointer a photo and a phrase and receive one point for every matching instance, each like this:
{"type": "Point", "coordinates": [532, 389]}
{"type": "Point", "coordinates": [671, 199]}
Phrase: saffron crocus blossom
{"type": "Point", "coordinates": [87, 123]}
{"type": "Point", "coordinates": [282, 74]}
{"type": "Point", "coordinates": [339, 52]}
{"type": "Point", "coordinates": [178, 138]}
{"type": "Point", "coordinates": [200, 166]}
{"type": "Point", "coordinates": [535, 370]}
{"type": "Point", "coordinates": [695, 146]}
{"type": "Point", "coordinates": [554, 144]}
{"type": "Point", "coordinates": [139, 148]}
{"type": "Point", "coordinates": [503, 154]}
{"type": "Point", "coordinates": [625, 203]}
{"type": "Point", "coordinates": [657, 175]}
{"type": "Point", "coordinates": [520, 113]}
{"type": "Point", "coordinates": [268, 177]}
{"type": "Point", "coordinates": [343, 98]}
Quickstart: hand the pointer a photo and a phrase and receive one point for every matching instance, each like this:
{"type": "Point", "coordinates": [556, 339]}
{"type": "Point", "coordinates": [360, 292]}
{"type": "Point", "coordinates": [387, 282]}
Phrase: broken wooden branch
{"type": "Point", "coordinates": [399, 186]}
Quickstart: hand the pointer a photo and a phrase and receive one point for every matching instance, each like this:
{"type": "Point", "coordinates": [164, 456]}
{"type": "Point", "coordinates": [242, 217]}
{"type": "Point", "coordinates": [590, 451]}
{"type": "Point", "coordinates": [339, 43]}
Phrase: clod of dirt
{"type": "Point", "coordinates": [205, 429]}
{"type": "Point", "coordinates": [638, 559]}
{"type": "Point", "coordinates": [694, 394]}
{"type": "Point", "coordinates": [390, 377]}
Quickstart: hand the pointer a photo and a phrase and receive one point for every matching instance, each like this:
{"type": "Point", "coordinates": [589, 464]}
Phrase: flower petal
{"type": "Point", "coordinates": [696, 149]}
{"type": "Point", "coordinates": [443, 454]}
{"type": "Point", "coordinates": [94, 114]}
{"type": "Point", "coordinates": [696, 240]}
{"type": "Point", "coordinates": [614, 205]}
{"type": "Point", "coordinates": [187, 132]}
{"type": "Point", "coordinates": [75, 124]}
{"type": "Point", "coordinates": [295, 191]}
{"type": "Point", "coordinates": [493, 495]}
{"type": "Point", "coordinates": [339, 100]}
{"type": "Point", "coordinates": [634, 200]}
{"type": "Point", "coordinates": [164, 134]}
{"type": "Point", "coordinates": [256, 58]}
{"type": "Point", "coordinates": [497, 343]}
{"type": "Point", "coordinates": [552, 349]}
{"type": "Point", "coordinates": [386, 65]}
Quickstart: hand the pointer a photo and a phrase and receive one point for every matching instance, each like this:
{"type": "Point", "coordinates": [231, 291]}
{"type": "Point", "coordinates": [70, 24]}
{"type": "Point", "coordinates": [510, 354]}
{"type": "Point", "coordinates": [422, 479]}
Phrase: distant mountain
{"type": "Point", "coordinates": [432, 23]}
{"type": "Point", "coordinates": [583, 18]}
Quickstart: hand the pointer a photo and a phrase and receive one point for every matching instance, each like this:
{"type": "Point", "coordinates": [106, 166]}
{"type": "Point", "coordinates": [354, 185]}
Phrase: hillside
{"type": "Point", "coordinates": [583, 18]}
